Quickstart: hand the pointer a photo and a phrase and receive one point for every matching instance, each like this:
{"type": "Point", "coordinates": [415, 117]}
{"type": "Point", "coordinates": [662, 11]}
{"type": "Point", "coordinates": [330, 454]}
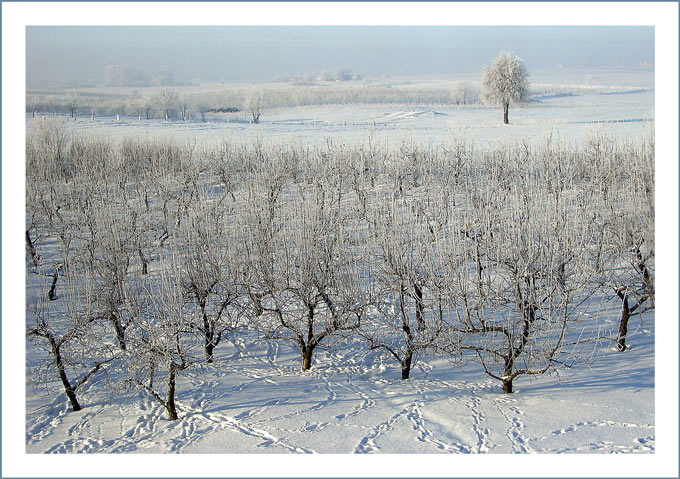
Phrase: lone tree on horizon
{"type": "Point", "coordinates": [505, 81]}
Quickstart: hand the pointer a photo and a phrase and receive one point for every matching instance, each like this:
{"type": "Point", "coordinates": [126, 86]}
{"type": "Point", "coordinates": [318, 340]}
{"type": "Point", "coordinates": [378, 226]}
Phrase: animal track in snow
{"type": "Point", "coordinates": [367, 443]}
{"type": "Point", "coordinates": [477, 417]}
{"type": "Point", "coordinates": [424, 435]}
{"type": "Point", "coordinates": [602, 423]}
{"type": "Point", "coordinates": [514, 432]}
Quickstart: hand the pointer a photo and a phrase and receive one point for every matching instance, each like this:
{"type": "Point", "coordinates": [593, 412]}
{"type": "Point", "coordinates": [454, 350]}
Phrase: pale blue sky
{"type": "Point", "coordinates": [58, 55]}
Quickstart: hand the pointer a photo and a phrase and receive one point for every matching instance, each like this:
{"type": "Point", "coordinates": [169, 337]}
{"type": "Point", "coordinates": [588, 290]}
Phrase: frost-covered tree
{"type": "Point", "coordinates": [73, 103]}
{"type": "Point", "coordinates": [505, 81]}
{"type": "Point", "coordinates": [255, 104]}
{"type": "Point", "coordinates": [623, 198]}
{"type": "Point", "coordinates": [146, 106]}
{"type": "Point", "coordinates": [201, 105]}
{"type": "Point", "coordinates": [68, 330]}
{"type": "Point", "coordinates": [123, 75]}
{"type": "Point", "coordinates": [519, 271]}
{"type": "Point", "coordinates": [464, 93]}
{"type": "Point", "coordinates": [162, 341]}
{"type": "Point", "coordinates": [304, 280]}
{"type": "Point", "coordinates": [112, 249]}
{"type": "Point", "coordinates": [209, 271]}
{"type": "Point", "coordinates": [165, 100]}
{"type": "Point", "coordinates": [184, 107]}
{"type": "Point", "coordinates": [406, 309]}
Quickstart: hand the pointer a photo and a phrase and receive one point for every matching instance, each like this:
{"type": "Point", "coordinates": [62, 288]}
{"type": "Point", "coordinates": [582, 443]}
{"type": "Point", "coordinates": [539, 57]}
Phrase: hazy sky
{"type": "Point", "coordinates": [60, 55]}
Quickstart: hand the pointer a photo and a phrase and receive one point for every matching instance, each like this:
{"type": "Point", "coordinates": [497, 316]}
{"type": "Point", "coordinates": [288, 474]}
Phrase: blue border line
{"type": "Point", "coordinates": [304, 1]}
{"type": "Point", "coordinates": [342, 1]}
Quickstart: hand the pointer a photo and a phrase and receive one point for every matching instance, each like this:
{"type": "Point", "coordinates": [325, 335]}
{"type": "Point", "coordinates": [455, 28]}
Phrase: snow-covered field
{"type": "Point", "coordinates": [570, 117]}
{"type": "Point", "coordinates": [255, 398]}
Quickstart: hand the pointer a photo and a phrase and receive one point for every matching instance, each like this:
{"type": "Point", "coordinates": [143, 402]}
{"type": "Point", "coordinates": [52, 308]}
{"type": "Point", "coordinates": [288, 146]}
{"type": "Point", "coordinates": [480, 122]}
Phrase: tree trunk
{"type": "Point", "coordinates": [420, 309]}
{"type": "Point", "coordinates": [70, 390]}
{"type": "Point", "coordinates": [478, 266]}
{"type": "Point", "coordinates": [120, 331]}
{"type": "Point", "coordinates": [506, 107]}
{"type": "Point", "coordinates": [307, 358]}
{"type": "Point", "coordinates": [145, 269]}
{"type": "Point", "coordinates": [623, 325]}
{"type": "Point", "coordinates": [406, 362]}
{"type": "Point", "coordinates": [507, 373]}
{"type": "Point", "coordinates": [208, 330]}
{"type": "Point", "coordinates": [406, 366]}
{"type": "Point", "coordinates": [170, 404]}
{"type": "Point", "coordinates": [308, 347]}
{"type": "Point", "coordinates": [209, 346]}
{"type": "Point", "coordinates": [52, 295]}
{"type": "Point", "coordinates": [31, 249]}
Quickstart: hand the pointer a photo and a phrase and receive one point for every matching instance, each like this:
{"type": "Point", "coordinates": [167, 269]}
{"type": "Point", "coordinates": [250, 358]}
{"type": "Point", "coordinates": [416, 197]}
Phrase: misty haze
{"type": "Point", "coordinates": [340, 239]}
{"type": "Point", "coordinates": [79, 56]}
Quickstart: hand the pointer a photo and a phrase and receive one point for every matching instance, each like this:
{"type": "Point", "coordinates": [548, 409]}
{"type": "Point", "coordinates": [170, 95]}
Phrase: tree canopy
{"type": "Point", "coordinates": [505, 81]}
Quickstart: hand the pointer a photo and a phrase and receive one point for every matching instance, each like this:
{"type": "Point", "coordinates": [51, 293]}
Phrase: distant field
{"type": "Point", "coordinates": [566, 103]}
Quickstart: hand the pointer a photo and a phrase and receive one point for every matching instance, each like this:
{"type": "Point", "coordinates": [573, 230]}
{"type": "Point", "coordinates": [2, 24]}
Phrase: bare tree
{"type": "Point", "coordinates": [46, 152]}
{"type": "Point", "coordinates": [113, 249]}
{"type": "Point", "coordinates": [123, 75]}
{"type": "Point", "coordinates": [165, 100]}
{"type": "Point", "coordinates": [307, 287]}
{"type": "Point", "coordinates": [624, 199]}
{"type": "Point", "coordinates": [184, 107]}
{"type": "Point", "coordinates": [162, 341]}
{"type": "Point", "coordinates": [73, 103]}
{"type": "Point", "coordinates": [255, 104]}
{"type": "Point", "coordinates": [201, 105]}
{"type": "Point", "coordinates": [636, 289]}
{"type": "Point", "coordinates": [147, 106]}
{"type": "Point", "coordinates": [70, 332]}
{"type": "Point", "coordinates": [222, 160]}
{"type": "Point", "coordinates": [505, 81]}
{"type": "Point", "coordinates": [463, 93]}
{"type": "Point", "coordinates": [210, 266]}
{"type": "Point", "coordinates": [407, 310]}
{"type": "Point", "coordinates": [519, 274]}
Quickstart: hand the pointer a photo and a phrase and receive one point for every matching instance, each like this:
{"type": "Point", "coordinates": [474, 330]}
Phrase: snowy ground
{"type": "Point", "coordinates": [256, 399]}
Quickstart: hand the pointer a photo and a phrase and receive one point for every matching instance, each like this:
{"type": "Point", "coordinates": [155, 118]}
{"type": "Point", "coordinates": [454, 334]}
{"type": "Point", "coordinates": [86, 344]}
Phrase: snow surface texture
{"type": "Point", "coordinates": [256, 399]}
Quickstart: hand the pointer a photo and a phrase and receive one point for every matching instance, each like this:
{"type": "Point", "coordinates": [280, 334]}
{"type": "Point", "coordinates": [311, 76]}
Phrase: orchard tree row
{"type": "Point", "coordinates": [144, 256]}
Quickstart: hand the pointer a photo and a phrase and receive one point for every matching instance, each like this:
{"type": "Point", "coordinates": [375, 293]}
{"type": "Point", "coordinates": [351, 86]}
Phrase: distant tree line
{"type": "Point", "coordinates": [195, 104]}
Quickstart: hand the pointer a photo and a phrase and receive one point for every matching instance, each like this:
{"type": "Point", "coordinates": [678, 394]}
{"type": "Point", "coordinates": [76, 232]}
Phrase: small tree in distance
{"type": "Point", "coordinates": [165, 100]}
{"type": "Point", "coordinates": [73, 103]}
{"type": "Point", "coordinates": [505, 81]}
{"type": "Point", "coordinates": [255, 104]}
